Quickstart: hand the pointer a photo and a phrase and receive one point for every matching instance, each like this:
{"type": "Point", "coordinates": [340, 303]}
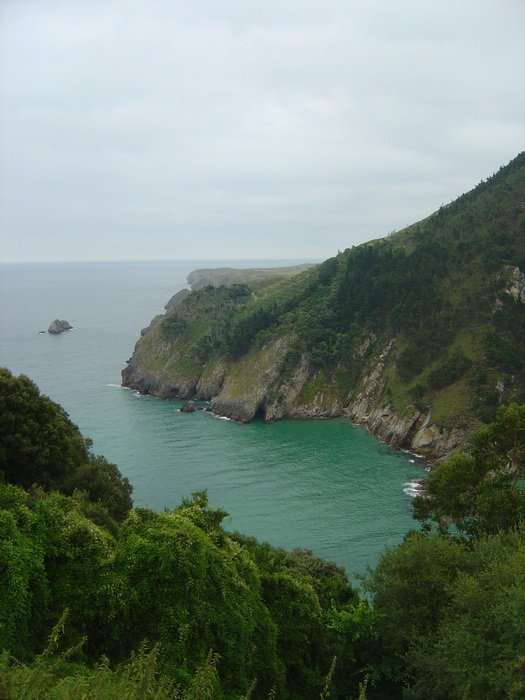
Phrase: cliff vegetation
{"type": "Point", "coordinates": [419, 335]}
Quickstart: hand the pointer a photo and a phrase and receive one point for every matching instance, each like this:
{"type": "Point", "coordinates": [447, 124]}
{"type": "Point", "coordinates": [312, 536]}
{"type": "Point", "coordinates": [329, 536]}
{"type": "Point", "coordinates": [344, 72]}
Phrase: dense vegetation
{"type": "Point", "coordinates": [99, 603]}
{"type": "Point", "coordinates": [40, 445]}
{"type": "Point", "coordinates": [446, 296]}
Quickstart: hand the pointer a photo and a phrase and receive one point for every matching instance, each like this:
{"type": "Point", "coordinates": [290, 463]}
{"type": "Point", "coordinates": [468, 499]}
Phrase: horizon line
{"type": "Point", "coordinates": [156, 260]}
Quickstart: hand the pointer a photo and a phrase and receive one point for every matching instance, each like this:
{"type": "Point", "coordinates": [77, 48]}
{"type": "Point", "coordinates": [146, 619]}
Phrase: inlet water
{"type": "Point", "coordinates": [321, 484]}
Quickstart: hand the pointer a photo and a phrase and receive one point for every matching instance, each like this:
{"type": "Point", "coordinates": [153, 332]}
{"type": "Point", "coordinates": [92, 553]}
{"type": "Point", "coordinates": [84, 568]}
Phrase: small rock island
{"type": "Point", "coordinates": [59, 327]}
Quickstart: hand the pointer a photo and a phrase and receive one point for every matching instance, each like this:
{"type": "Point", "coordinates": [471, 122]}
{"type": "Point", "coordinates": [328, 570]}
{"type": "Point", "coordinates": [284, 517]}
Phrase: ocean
{"type": "Point", "coordinates": [325, 485]}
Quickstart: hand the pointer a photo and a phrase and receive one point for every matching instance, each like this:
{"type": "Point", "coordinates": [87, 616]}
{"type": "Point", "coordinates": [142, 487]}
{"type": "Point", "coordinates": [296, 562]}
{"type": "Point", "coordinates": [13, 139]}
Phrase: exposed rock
{"type": "Point", "coordinates": [244, 392]}
{"type": "Point", "coordinates": [210, 383]}
{"type": "Point", "coordinates": [59, 327]}
{"type": "Point", "coordinates": [155, 321]}
{"type": "Point", "coordinates": [516, 284]}
{"type": "Point", "coordinates": [177, 299]}
{"type": "Point", "coordinates": [364, 345]}
{"type": "Point", "coordinates": [371, 387]}
{"type": "Point", "coordinates": [188, 407]}
{"type": "Point", "coordinates": [158, 383]}
{"type": "Point", "coordinates": [415, 432]}
{"type": "Point", "coordinates": [283, 402]}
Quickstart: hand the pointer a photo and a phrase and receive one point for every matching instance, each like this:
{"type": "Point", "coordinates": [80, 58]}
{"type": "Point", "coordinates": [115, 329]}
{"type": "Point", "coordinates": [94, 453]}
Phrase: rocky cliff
{"type": "Point", "coordinates": [418, 336]}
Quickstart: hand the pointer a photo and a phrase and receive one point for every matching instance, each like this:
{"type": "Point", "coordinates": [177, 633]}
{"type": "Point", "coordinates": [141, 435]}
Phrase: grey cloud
{"type": "Point", "coordinates": [247, 129]}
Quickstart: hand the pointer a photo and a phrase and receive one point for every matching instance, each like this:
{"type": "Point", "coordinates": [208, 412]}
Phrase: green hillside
{"type": "Point", "coordinates": [419, 335]}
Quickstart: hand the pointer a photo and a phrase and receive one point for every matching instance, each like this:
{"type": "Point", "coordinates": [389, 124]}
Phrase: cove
{"type": "Point", "coordinates": [325, 485]}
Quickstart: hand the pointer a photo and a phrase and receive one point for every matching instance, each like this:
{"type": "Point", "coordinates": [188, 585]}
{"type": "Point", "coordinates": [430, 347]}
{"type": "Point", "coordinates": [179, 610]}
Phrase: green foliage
{"type": "Point", "coordinates": [504, 346]}
{"type": "Point", "coordinates": [480, 638]}
{"type": "Point", "coordinates": [38, 442]}
{"type": "Point", "coordinates": [295, 608]}
{"type": "Point", "coordinates": [40, 445]}
{"type": "Point", "coordinates": [319, 616]}
{"type": "Point", "coordinates": [103, 483]}
{"type": "Point", "coordinates": [173, 326]}
{"type": "Point", "coordinates": [244, 329]}
{"type": "Point", "coordinates": [424, 347]}
{"type": "Point", "coordinates": [445, 373]}
{"type": "Point", "coordinates": [451, 616]}
{"type": "Point", "coordinates": [24, 589]}
{"type": "Point", "coordinates": [54, 675]}
{"type": "Point", "coordinates": [178, 581]}
{"type": "Point", "coordinates": [410, 588]}
{"type": "Point", "coordinates": [353, 640]}
{"type": "Point", "coordinates": [210, 310]}
{"type": "Point", "coordinates": [169, 605]}
{"type": "Point", "coordinates": [53, 558]}
{"type": "Point", "coordinates": [482, 491]}
{"type": "Point", "coordinates": [191, 595]}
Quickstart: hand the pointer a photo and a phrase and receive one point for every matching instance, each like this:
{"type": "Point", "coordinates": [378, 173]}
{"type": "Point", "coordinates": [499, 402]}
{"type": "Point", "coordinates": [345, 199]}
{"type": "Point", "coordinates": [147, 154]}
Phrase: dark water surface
{"type": "Point", "coordinates": [325, 485]}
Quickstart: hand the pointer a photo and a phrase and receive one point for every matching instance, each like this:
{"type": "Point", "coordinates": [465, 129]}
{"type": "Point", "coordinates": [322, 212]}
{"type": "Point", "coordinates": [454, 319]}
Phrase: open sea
{"type": "Point", "coordinates": [324, 485]}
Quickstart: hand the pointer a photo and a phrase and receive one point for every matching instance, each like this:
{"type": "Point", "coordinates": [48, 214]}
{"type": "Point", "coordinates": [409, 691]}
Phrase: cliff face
{"type": "Point", "coordinates": [419, 336]}
{"type": "Point", "coordinates": [255, 386]}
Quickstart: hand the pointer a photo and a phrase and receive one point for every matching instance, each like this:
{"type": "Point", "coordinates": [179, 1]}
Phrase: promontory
{"type": "Point", "coordinates": [419, 335]}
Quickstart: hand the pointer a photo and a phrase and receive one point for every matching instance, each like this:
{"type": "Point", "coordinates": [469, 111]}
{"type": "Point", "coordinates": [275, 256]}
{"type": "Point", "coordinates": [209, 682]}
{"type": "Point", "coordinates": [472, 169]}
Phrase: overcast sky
{"type": "Point", "coordinates": [215, 129]}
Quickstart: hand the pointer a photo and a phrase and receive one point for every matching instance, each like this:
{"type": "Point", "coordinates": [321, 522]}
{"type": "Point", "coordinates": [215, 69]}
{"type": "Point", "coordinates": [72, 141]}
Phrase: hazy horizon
{"type": "Point", "coordinates": [285, 261]}
{"type": "Point", "coordinates": [213, 129]}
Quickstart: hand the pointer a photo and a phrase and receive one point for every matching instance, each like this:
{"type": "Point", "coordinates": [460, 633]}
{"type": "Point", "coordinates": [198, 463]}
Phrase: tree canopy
{"type": "Point", "coordinates": [484, 489]}
{"type": "Point", "coordinates": [40, 445]}
{"type": "Point", "coordinates": [171, 605]}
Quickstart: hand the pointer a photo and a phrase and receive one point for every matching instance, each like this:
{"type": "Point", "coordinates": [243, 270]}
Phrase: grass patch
{"type": "Point", "coordinates": [452, 406]}
{"type": "Point", "coordinates": [313, 388]}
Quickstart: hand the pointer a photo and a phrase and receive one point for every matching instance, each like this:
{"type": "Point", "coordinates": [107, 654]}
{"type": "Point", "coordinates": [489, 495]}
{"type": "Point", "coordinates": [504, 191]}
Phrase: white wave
{"type": "Point", "coordinates": [413, 488]}
{"type": "Point", "coordinates": [413, 454]}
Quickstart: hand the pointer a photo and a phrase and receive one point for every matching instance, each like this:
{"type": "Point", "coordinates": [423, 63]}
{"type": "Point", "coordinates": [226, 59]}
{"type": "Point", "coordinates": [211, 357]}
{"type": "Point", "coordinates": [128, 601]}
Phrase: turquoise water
{"type": "Point", "coordinates": [325, 485]}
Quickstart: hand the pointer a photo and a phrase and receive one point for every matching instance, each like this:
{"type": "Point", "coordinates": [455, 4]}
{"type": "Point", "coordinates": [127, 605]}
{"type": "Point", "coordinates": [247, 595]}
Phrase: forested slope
{"type": "Point", "coordinates": [419, 335]}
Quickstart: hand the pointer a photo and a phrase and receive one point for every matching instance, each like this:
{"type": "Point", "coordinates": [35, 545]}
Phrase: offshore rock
{"type": "Point", "coordinates": [58, 326]}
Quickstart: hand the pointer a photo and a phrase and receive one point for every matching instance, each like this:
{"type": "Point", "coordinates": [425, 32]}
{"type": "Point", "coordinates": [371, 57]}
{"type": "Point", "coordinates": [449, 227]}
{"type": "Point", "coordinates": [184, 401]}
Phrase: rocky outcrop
{"type": "Point", "coordinates": [257, 385]}
{"type": "Point", "coordinates": [245, 391]}
{"type": "Point", "coordinates": [418, 336]}
{"type": "Point", "coordinates": [284, 401]}
{"type": "Point", "coordinates": [158, 383]}
{"type": "Point", "coordinates": [58, 326]}
{"type": "Point", "coordinates": [176, 300]}
{"type": "Point", "coordinates": [516, 284]}
{"type": "Point", "coordinates": [415, 432]}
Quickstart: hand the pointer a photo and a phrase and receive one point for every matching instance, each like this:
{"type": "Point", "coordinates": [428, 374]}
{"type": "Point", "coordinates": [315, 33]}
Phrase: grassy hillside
{"type": "Point", "coordinates": [429, 321]}
{"type": "Point", "coordinates": [253, 276]}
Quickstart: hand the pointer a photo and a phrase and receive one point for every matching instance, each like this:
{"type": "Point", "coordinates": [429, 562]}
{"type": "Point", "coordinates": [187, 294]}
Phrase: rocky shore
{"type": "Point", "coordinates": [256, 388]}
